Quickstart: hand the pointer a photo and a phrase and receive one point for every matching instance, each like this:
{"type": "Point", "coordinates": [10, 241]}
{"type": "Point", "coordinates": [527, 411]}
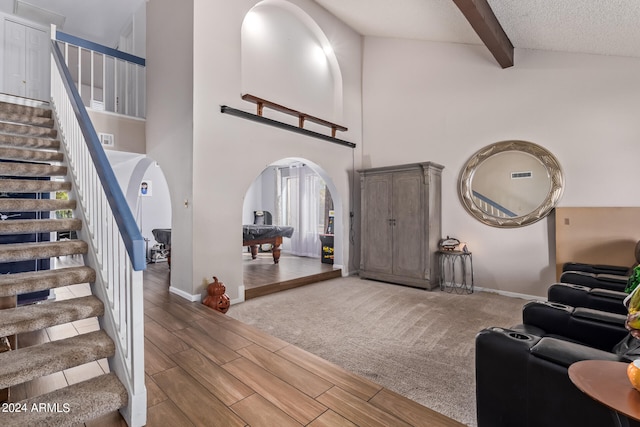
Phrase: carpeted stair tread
{"type": "Point", "coordinates": [32, 281]}
{"type": "Point", "coordinates": [30, 155]}
{"type": "Point", "coordinates": [18, 129]}
{"type": "Point", "coordinates": [31, 205]}
{"type": "Point", "coordinates": [31, 169]}
{"type": "Point", "coordinates": [33, 186]}
{"type": "Point", "coordinates": [39, 316]}
{"type": "Point", "coordinates": [29, 148]}
{"type": "Point", "coordinates": [24, 364]}
{"type": "Point", "coordinates": [86, 401]}
{"type": "Point", "coordinates": [24, 226]}
{"type": "Point", "coordinates": [25, 110]}
{"type": "Point", "coordinates": [26, 119]}
{"type": "Point", "coordinates": [39, 250]}
{"type": "Point", "coordinates": [25, 141]}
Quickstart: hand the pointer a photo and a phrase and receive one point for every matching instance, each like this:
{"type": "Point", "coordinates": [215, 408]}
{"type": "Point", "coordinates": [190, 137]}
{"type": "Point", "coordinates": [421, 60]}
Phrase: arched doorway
{"type": "Point", "coordinates": [147, 193]}
{"type": "Point", "coordinates": [296, 193]}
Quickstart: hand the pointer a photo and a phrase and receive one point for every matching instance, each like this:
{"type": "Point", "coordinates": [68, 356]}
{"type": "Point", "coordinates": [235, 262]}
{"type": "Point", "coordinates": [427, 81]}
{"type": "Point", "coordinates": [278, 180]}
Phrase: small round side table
{"type": "Point", "coordinates": [606, 382]}
{"type": "Point", "coordinates": [456, 271]}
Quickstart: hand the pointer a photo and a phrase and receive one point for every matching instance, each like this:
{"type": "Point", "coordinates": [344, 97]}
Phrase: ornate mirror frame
{"type": "Point", "coordinates": [542, 154]}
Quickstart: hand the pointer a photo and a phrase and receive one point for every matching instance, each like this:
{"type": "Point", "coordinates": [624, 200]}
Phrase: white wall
{"type": "Point", "coordinates": [140, 31]}
{"type": "Point", "coordinates": [442, 102]}
{"type": "Point", "coordinates": [123, 165]}
{"type": "Point", "coordinates": [230, 152]}
{"type": "Point", "coordinates": [128, 132]}
{"type": "Point", "coordinates": [276, 42]}
{"type": "Point", "coordinates": [170, 122]}
{"type": "Point", "coordinates": [261, 196]}
{"type": "Point", "coordinates": [211, 159]}
{"type": "Point", "coordinates": [154, 211]}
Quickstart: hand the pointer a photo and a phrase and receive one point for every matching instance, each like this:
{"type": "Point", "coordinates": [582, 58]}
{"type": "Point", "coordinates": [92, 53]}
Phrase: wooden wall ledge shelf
{"type": "Point", "coordinates": [267, 121]}
{"type": "Point", "coordinates": [302, 117]}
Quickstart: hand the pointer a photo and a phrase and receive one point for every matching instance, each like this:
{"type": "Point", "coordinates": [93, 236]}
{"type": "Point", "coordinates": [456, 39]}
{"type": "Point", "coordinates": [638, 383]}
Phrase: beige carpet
{"type": "Point", "coordinates": [417, 343]}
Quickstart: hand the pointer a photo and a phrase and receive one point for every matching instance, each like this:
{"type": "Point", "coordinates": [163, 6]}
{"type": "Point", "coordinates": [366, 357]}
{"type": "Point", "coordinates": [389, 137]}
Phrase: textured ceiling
{"type": "Point", "coordinates": [436, 20]}
{"type": "Point", "coordinates": [605, 27]}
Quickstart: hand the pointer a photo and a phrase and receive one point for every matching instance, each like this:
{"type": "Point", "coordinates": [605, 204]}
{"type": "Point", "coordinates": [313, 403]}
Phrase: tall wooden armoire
{"type": "Point", "coordinates": [401, 223]}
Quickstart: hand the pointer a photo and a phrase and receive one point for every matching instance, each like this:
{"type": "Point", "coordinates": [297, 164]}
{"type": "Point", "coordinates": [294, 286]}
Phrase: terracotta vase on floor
{"type": "Point", "coordinates": [216, 297]}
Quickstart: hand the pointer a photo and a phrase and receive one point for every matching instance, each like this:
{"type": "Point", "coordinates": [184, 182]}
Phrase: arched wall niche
{"type": "Point", "coordinates": [287, 59]}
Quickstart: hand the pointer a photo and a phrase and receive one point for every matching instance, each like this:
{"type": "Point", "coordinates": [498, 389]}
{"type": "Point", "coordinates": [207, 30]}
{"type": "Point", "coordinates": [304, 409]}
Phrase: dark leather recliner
{"type": "Point", "coordinates": [617, 270]}
{"type": "Point", "coordinates": [522, 380]}
{"type": "Point", "coordinates": [595, 328]}
{"type": "Point", "coordinates": [593, 280]}
{"type": "Point", "coordinates": [584, 296]}
{"type": "Point", "coordinates": [613, 277]}
{"type": "Point", "coordinates": [521, 372]}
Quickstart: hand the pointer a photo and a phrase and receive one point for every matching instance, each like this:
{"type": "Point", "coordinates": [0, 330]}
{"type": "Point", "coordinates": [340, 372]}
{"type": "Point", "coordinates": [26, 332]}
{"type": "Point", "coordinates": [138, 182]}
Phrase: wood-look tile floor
{"type": "Point", "coordinates": [262, 276]}
{"type": "Point", "coordinates": [262, 271]}
{"type": "Point", "coordinates": [206, 369]}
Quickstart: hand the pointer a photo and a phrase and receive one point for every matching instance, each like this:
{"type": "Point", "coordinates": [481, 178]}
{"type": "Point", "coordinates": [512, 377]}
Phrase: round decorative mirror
{"type": "Point", "coordinates": [511, 184]}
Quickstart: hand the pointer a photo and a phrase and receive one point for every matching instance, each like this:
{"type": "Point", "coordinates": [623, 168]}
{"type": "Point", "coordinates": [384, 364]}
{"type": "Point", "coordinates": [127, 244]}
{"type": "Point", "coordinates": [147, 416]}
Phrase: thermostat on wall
{"type": "Point", "coordinates": [106, 139]}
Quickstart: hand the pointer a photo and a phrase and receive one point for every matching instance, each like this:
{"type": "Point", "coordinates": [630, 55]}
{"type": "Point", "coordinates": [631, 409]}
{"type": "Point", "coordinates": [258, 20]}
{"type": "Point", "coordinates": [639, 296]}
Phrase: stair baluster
{"type": "Point", "coordinates": [116, 249]}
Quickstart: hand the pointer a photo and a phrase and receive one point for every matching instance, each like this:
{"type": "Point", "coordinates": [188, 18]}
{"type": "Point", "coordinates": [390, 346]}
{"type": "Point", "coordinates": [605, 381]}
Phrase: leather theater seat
{"type": "Point", "coordinates": [584, 296]}
{"type": "Point", "coordinates": [595, 328]}
{"type": "Point", "coordinates": [593, 280]}
{"type": "Point", "coordinates": [617, 270]}
{"type": "Point", "coordinates": [522, 380]}
{"type": "Point", "coordinates": [612, 277]}
{"type": "Point", "coordinates": [521, 372]}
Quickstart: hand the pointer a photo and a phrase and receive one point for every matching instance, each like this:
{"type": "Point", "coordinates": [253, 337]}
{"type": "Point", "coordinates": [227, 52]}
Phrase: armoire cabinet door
{"type": "Point", "coordinates": [409, 226]}
{"type": "Point", "coordinates": [377, 227]}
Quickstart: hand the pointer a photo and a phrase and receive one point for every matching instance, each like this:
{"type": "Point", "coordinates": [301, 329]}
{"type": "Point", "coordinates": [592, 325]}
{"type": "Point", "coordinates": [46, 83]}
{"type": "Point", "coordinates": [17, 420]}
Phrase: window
{"type": "Point", "coordinates": [302, 196]}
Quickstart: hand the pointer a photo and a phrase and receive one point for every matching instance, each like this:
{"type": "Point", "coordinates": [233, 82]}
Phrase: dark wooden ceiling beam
{"type": "Point", "coordinates": [486, 25]}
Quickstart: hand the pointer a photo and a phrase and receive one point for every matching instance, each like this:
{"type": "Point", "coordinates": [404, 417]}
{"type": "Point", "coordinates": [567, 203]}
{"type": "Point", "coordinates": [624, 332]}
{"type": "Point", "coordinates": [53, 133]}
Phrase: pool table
{"type": "Point", "coordinates": [254, 235]}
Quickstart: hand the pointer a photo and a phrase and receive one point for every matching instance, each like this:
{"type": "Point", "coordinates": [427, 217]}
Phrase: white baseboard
{"type": "Point", "coordinates": [183, 294]}
{"type": "Point", "coordinates": [240, 298]}
{"type": "Point", "coordinates": [23, 101]}
{"type": "Point", "coordinates": [198, 297]}
{"type": "Point", "coordinates": [510, 294]}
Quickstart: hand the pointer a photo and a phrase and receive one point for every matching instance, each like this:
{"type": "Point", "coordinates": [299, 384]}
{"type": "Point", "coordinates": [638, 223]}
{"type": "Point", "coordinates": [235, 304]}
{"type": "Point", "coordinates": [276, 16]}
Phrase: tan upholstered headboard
{"type": "Point", "coordinates": [602, 235]}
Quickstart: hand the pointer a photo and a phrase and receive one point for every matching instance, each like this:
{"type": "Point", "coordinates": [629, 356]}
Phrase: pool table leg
{"type": "Point", "coordinates": [254, 251]}
{"type": "Point", "coordinates": [276, 253]}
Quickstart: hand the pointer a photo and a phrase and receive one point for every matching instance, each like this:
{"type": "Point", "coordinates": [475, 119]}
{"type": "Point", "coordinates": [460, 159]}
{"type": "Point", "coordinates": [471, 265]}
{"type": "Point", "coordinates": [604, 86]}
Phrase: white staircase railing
{"type": "Point", "coordinates": [107, 79]}
{"type": "Point", "coordinates": [116, 247]}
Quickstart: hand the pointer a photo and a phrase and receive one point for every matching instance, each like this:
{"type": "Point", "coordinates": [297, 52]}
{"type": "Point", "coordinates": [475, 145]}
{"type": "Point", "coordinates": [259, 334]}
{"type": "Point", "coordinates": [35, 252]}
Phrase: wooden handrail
{"type": "Point", "coordinates": [261, 103]}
